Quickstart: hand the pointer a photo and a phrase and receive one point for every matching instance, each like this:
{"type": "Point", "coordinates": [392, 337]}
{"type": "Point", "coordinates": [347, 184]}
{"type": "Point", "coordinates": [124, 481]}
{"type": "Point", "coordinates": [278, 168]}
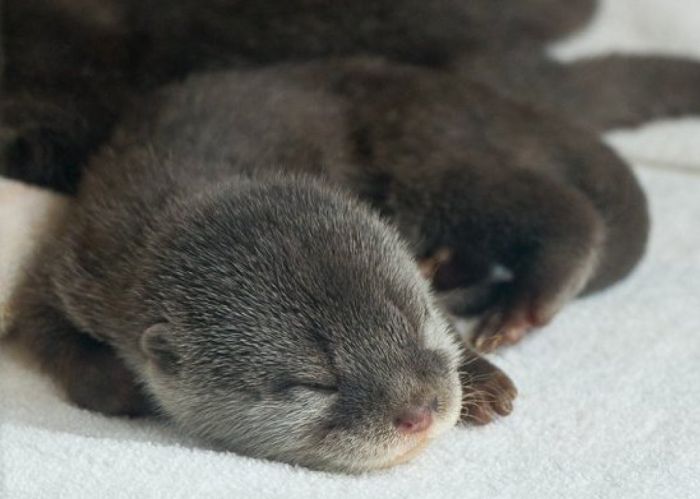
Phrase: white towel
{"type": "Point", "coordinates": [609, 401]}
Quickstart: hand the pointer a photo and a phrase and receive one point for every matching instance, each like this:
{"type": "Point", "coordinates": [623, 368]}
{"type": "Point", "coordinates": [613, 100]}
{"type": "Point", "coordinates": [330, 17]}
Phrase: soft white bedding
{"type": "Point", "coordinates": [609, 400]}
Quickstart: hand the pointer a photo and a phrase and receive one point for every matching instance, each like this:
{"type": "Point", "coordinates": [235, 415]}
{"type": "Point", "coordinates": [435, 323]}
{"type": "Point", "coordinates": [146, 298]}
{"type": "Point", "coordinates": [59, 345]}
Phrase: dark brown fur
{"type": "Point", "coordinates": [71, 65]}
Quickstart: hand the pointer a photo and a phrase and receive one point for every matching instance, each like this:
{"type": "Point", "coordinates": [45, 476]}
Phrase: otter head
{"type": "Point", "coordinates": [295, 326]}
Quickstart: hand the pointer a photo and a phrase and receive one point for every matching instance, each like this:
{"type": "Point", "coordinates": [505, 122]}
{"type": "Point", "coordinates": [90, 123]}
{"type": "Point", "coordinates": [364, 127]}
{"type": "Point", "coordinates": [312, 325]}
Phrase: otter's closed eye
{"type": "Point", "coordinates": [315, 387]}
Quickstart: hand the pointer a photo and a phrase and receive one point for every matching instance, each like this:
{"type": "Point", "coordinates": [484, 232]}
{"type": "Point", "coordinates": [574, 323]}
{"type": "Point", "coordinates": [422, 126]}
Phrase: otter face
{"type": "Point", "coordinates": [297, 328]}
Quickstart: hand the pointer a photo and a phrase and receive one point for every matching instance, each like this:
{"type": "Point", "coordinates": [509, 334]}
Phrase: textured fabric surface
{"type": "Point", "coordinates": [609, 401]}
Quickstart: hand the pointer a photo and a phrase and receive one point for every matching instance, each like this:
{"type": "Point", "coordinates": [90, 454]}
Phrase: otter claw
{"type": "Point", "coordinates": [488, 392]}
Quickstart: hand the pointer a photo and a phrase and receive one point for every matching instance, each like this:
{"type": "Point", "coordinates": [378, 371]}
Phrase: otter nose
{"type": "Point", "coordinates": [414, 420]}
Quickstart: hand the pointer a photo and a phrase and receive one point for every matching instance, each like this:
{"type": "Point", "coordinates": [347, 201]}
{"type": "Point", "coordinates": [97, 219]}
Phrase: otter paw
{"type": "Point", "coordinates": [497, 328]}
{"type": "Point", "coordinates": [487, 392]}
{"type": "Point", "coordinates": [508, 324]}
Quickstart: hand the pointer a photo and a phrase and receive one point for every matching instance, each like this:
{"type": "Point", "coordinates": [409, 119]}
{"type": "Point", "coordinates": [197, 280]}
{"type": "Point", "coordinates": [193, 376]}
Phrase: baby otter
{"type": "Point", "coordinates": [217, 267]}
{"type": "Point", "coordinates": [71, 66]}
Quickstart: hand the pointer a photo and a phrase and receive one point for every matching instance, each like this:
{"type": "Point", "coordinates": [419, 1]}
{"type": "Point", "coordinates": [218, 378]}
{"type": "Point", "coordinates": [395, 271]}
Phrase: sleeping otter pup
{"type": "Point", "coordinates": [217, 266]}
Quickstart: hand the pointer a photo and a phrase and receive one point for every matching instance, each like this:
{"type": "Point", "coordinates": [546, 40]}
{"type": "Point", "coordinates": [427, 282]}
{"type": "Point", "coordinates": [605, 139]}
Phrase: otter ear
{"type": "Point", "coordinates": [157, 344]}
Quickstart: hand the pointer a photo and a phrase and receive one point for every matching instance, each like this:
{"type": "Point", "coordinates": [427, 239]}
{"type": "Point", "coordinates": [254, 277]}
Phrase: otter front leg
{"type": "Point", "coordinates": [486, 390]}
{"type": "Point", "coordinates": [553, 256]}
{"type": "Point", "coordinates": [546, 233]}
{"type": "Point", "coordinates": [89, 371]}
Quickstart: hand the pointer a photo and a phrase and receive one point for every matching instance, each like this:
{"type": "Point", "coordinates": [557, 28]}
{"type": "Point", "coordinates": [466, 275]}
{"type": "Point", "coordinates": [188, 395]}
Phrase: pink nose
{"type": "Point", "coordinates": [414, 420]}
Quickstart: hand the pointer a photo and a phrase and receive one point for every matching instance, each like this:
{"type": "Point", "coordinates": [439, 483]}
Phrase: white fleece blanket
{"type": "Point", "coordinates": [609, 400]}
